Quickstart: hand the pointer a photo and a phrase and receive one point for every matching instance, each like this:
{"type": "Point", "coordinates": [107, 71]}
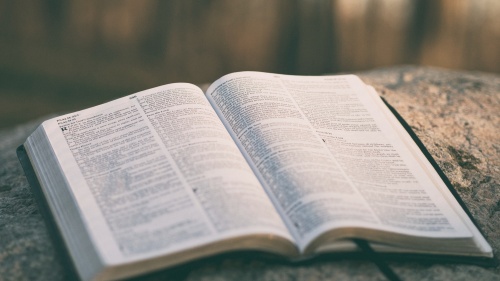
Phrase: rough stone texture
{"type": "Point", "coordinates": [455, 114]}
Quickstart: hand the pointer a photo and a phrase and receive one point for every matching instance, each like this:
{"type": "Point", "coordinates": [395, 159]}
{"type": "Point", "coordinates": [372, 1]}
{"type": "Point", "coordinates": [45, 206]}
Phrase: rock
{"type": "Point", "coordinates": [455, 114]}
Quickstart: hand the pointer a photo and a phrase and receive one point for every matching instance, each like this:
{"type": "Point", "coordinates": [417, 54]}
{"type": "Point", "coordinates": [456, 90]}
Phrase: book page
{"type": "Point", "coordinates": [156, 172]}
{"type": "Point", "coordinates": [328, 158]}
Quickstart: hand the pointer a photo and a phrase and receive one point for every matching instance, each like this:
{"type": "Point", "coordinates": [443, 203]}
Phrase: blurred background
{"type": "Point", "coordinates": [58, 56]}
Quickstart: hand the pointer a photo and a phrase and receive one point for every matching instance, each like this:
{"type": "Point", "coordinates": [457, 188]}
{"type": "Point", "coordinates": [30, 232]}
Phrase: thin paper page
{"type": "Point", "coordinates": [286, 153]}
{"type": "Point", "coordinates": [327, 158]}
{"type": "Point", "coordinates": [368, 149]}
{"type": "Point", "coordinates": [156, 172]}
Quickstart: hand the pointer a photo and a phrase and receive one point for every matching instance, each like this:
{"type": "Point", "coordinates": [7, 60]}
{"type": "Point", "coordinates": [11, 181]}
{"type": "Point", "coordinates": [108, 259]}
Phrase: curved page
{"type": "Point", "coordinates": [156, 173]}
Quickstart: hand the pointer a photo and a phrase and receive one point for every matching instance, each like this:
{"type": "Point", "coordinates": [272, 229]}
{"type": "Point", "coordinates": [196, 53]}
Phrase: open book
{"type": "Point", "coordinates": [290, 165]}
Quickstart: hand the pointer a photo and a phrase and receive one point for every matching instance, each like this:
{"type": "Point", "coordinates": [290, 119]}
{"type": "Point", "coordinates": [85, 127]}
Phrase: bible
{"type": "Point", "coordinates": [293, 166]}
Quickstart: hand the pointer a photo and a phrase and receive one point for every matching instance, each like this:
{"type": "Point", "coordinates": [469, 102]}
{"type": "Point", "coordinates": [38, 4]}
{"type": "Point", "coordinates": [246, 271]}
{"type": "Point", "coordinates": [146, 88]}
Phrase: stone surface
{"type": "Point", "coordinates": [455, 114]}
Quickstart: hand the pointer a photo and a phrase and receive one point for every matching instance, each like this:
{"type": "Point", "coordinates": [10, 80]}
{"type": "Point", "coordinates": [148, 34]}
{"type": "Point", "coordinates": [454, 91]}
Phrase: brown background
{"type": "Point", "coordinates": [59, 56]}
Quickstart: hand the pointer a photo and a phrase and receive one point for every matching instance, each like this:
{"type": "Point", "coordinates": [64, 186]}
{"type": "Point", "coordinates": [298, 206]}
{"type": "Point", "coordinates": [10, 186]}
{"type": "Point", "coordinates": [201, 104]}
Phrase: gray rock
{"type": "Point", "coordinates": [455, 114]}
